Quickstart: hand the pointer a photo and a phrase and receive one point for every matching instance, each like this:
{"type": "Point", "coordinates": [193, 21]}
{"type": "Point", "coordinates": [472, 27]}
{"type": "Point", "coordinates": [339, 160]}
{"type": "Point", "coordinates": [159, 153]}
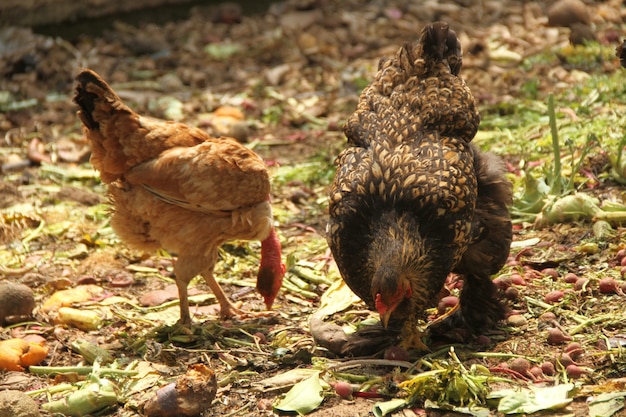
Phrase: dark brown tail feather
{"type": "Point", "coordinates": [91, 88]}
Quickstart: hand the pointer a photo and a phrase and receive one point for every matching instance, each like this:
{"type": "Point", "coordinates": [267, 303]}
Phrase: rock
{"type": "Point", "coordinates": [299, 20]}
{"type": "Point", "coordinates": [17, 404]}
{"type": "Point", "coordinates": [16, 302]}
{"type": "Point", "coordinates": [191, 395]}
{"type": "Point", "coordinates": [566, 13]}
{"type": "Point", "coordinates": [517, 320]}
{"type": "Point", "coordinates": [581, 33]}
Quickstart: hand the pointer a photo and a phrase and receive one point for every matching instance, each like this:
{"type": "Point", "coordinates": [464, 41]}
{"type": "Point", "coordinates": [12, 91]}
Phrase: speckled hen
{"type": "Point", "coordinates": [412, 199]}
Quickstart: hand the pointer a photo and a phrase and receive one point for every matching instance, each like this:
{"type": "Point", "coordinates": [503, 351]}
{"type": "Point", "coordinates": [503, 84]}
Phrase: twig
{"type": "Point", "coordinates": [539, 303]}
{"type": "Point", "coordinates": [370, 362]}
{"type": "Point", "coordinates": [500, 355]}
{"type": "Point", "coordinates": [244, 408]}
{"type": "Point", "coordinates": [12, 272]}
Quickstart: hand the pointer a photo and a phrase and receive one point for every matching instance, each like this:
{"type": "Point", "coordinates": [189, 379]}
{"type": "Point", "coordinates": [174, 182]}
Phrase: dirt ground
{"type": "Point", "coordinates": [294, 72]}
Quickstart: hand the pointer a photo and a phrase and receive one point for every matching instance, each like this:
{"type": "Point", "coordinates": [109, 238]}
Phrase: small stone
{"type": "Point", "coordinates": [517, 320]}
{"type": "Point", "coordinates": [17, 404]}
{"type": "Point", "coordinates": [566, 13]}
{"type": "Point", "coordinates": [16, 302]}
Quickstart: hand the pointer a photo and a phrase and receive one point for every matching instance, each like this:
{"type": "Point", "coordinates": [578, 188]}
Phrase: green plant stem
{"type": "Point", "coordinates": [590, 322]}
{"type": "Point", "coordinates": [555, 186]}
{"type": "Point", "coordinates": [80, 370]}
{"type": "Point", "coordinates": [55, 389]}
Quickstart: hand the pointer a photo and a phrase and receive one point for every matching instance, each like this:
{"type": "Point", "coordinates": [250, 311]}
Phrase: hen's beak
{"type": "Point", "coordinates": [384, 318]}
{"type": "Point", "coordinates": [384, 310]}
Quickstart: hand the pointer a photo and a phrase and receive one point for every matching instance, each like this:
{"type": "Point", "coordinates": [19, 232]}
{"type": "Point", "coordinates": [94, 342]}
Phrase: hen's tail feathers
{"type": "Point", "coordinates": [438, 42]}
{"type": "Point", "coordinates": [93, 95]}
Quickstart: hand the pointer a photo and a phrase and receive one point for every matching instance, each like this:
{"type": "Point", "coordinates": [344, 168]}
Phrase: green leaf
{"type": "Point", "coordinates": [303, 397]}
{"type": "Point", "coordinates": [605, 405]}
{"type": "Point", "coordinates": [387, 407]}
{"type": "Point", "coordinates": [533, 399]}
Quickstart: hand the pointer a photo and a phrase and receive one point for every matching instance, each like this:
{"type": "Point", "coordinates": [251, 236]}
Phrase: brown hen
{"type": "Point", "coordinates": [175, 187]}
{"type": "Point", "coordinates": [412, 200]}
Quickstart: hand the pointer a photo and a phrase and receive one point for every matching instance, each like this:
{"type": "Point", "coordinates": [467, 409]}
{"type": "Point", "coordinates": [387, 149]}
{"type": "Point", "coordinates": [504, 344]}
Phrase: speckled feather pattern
{"type": "Point", "coordinates": [403, 199]}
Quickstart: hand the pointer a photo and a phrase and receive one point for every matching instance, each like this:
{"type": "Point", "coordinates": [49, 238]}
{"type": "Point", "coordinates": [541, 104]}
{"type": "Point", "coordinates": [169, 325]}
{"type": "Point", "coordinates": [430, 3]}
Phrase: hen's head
{"type": "Point", "coordinates": [271, 271]}
{"type": "Point", "coordinates": [389, 293]}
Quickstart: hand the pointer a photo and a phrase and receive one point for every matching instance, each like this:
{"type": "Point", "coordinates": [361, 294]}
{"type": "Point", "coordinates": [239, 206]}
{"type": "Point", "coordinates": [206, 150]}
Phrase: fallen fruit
{"type": "Point", "coordinates": [16, 302]}
{"type": "Point", "coordinates": [191, 395]}
{"type": "Point", "coordinates": [565, 360]}
{"type": "Point", "coordinates": [396, 353]}
{"type": "Point", "coordinates": [535, 372]}
{"type": "Point", "coordinates": [553, 296]}
{"type": "Point", "coordinates": [343, 389]}
{"type": "Point", "coordinates": [607, 285]}
{"type": "Point", "coordinates": [570, 278]}
{"type": "Point", "coordinates": [548, 368]}
{"type": "Point", "coordinates": [581, 284]}
{"type": "Point", "coordinates": [550, 272]}
{"type": "Point", "coordinates": [520, 365]}
{"type": "Point", "coordinates": [574, 371]}
{"type": "Point", "coordinates": [17, 354]}
{"type": "Point", "coordinates": [446, 303]}
{"type": "Point", "coordinates": [556, 336]}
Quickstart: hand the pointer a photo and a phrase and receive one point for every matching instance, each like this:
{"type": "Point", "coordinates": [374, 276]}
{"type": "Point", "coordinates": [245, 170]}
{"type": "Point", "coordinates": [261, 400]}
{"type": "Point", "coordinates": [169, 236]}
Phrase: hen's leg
{"type": "Point", "coordinates": [183, 275]}
{"type": "Point", "coordinates": [185, 317]}
{"type": "Point", "coordinates": [227, 309]}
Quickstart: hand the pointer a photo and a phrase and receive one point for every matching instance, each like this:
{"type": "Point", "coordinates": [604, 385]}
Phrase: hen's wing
{"type": "Point", "coordinates": [217, 175]}
{"type": "Point", "coordinates": [487, 251]}
{"type": "Point", "coordinates": [491, 228]}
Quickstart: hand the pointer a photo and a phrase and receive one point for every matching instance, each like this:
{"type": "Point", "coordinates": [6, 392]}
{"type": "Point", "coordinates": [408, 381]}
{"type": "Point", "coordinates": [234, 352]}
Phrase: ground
{"type": "Point", "coordinates": [294, 72]}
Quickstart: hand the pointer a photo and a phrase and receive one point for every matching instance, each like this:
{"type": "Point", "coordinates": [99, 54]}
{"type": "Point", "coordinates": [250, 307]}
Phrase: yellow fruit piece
{"type": "Point", "coordinates": [70, 296]}
{"type": "Point", "coordinates": [82, 319]}
{"type": "Point", "coordinates": [16, 354]}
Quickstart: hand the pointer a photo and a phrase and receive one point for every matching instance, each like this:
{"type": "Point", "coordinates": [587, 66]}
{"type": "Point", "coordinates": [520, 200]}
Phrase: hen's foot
{"type": "Point", "coordinates": [229, 310]}
{"type": "Point", "coordinates": [412, 337]}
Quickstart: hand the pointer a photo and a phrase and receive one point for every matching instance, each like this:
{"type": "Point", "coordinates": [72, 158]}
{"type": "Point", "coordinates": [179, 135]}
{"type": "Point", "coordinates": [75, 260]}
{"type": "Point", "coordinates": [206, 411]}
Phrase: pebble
{"type": "Point", "coordinates": [16, 302]}
{"type": "Point", "coordinates": [517, 320]}
{"type": "Point", "coordinates": [566, 13]}
{"type": "Point", "coordinates": [17, 404]}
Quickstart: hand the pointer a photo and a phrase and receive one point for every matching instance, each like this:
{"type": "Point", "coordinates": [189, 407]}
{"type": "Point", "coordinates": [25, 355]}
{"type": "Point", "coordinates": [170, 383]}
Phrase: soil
{"type": "Point", "coordinates": [294, 71]}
